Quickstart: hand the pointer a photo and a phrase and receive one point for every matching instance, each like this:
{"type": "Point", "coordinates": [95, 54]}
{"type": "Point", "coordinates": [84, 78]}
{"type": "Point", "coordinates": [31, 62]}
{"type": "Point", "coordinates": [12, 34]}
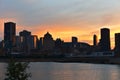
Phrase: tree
{"type": "Point", "coordinates": [17, 71]}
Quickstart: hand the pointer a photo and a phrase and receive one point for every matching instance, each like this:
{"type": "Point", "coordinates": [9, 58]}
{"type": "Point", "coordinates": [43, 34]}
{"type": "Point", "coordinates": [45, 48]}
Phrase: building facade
{"type": "Point", "coordinates": [25, 42]}
{"type": "Point", "coordinates": [117, 44]}
{"type": "Point", "coordinates": [48, 42]}
{"type": "Point", "coordinates": [9, 35]}
{"type": "Point", "coordinates": [33, 42]}
{"type": "Point", "coordinates": [105, 40]}
{"type": "Point", "coordinates": [74, 40]}
{"type": "Point", "coordinates": [95, 40]}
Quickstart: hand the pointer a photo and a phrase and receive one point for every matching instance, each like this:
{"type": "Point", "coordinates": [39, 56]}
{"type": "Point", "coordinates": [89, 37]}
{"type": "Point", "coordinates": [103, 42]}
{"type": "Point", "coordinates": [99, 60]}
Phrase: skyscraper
{"type": "Point", "coordinates": [25, 35]}
{"type": "Point", "coordinates": [9, 34]}
{"type": "Point", "coordinates": [95, 40]}
{"type": "Point", "coordinates": [33, 41]}
{"type": "Point", "coordinates": [117, 44]}
{"type": "Point", "coordinates": [105, 39]}
{"type": "Point", "coordinates": [48, 42]}
{"type": "Point", "coordinates": [29, 42]}
{"type": "Point", "coordinates": [40, 43]}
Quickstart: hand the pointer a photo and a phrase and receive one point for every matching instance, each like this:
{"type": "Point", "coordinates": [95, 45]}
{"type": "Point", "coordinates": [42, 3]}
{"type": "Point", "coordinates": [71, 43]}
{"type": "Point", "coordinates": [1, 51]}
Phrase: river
{"type": "Point", "coordinates": [69, 71]}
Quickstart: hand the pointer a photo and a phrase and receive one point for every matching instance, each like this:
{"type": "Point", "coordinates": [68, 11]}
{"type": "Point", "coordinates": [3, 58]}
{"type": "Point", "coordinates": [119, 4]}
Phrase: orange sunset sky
{"type": "Point", "coordinates": [62, 18]}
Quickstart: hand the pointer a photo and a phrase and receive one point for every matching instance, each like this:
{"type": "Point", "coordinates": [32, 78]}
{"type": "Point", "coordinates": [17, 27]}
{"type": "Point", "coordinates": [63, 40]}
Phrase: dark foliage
{"type": "Point", "coordinates": [17, 71]}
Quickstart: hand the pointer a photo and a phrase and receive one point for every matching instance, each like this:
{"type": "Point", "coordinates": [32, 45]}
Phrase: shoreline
{"type": "Point", "coordinates": [95, 60]}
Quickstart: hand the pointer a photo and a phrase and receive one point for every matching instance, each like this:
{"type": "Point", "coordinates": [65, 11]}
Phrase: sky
{"type": "Point", "coordinates": [62, 18]}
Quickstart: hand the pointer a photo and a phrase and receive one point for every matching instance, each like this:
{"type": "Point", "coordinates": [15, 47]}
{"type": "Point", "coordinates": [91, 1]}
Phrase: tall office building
{"type": "Point", "coordinates": [33, 41]}
{"type": "Point", "coordinates": [48, 42]}
{"type": "Point", "coordinates": [18, 43]}
{"type": "Point", "coordinates": [95, 40]}
{"type": "Point", "coordinates": [9, 34]}
{"type": "Point", "coordinates": [25, 33]}
{"type": "Point", "coordinates": [58, 43]}
{"type": "Point", "coordinates": [117, 44]}
{"type": "Point", "coordinates": [25, 42]}
{"type": "Point", "coordinates": [28, 42]}
{"type": "Point", "coordinates": [105, 39]}
{"type": "Point", "coordinates": [40, 43]}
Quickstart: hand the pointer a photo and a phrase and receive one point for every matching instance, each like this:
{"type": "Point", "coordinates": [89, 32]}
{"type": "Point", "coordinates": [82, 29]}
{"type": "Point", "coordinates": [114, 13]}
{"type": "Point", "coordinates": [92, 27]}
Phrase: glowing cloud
{"type": "Point", "coordinates": [62, 18]}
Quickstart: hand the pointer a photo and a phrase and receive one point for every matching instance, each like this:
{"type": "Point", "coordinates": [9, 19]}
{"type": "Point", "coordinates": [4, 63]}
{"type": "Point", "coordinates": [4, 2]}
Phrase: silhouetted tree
{"type": "Point", "coordinates": [17, 71]}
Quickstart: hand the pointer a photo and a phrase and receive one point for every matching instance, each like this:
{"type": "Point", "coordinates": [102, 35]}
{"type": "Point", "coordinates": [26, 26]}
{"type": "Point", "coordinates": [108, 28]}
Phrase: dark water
{"type": "Point", "coordinates": [70, 71]}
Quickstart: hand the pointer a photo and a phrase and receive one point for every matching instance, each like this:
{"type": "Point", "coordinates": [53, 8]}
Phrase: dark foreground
{"type": "Point", "coordinates": [99, 60]}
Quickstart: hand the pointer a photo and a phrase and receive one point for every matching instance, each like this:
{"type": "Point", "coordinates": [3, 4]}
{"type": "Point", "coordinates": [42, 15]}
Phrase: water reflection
{"type": "Point", "coordinates": [2, 70]}
{"type": "Point", "coordinates": [70, 71]}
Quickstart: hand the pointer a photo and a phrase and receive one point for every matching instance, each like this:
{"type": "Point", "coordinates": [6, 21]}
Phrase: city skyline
{"type": "Point", "coordinates": [104, 41]}
{"type": "Point", "coordinates": [98, 40]}
{"type": "Point", "coordinates": [62, 19]}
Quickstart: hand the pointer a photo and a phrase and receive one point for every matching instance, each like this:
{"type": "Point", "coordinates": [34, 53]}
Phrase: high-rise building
{"type": "Point", "coordinates": [105, 39]}
{"type": "Point", "coordinates": [18, 44]}
{"type": "Point", "coordinates": [1, 44]}
{"type": "Point", "coordinates": [48, 42]}
{"type": "Point", "coordinates": [40, 43]}
{"type": "Point", "coordinates": [95, 40]}
{"type": "Point", "coordinates": [9, 35]}
{"type": "Point", "coordinates": [33, 42]}
{"type": "Point", "coordinates": [58, 43]}
{"type": "Point", "coordinates": [29, 42]}
{"type": "Point", "coordinates": [25, 35]}
{"type": "Point", "coordinates": [117, 44]}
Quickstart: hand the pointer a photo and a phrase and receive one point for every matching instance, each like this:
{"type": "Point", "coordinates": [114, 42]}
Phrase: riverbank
{"type": "Point", "coordinates": [99, 60]}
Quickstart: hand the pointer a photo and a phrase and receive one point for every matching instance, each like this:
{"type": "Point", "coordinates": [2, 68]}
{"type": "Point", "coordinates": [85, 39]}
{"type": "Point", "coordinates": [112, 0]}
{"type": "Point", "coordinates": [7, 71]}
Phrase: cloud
{"type": "Point", "coordinates": [36, 12]}
{"type": "Point", "coordinates": [63, 18]}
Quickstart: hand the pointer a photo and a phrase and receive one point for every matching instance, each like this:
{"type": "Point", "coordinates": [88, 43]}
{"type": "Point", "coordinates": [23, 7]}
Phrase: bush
{"type": "Point", "coordinates": [17, 71]}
